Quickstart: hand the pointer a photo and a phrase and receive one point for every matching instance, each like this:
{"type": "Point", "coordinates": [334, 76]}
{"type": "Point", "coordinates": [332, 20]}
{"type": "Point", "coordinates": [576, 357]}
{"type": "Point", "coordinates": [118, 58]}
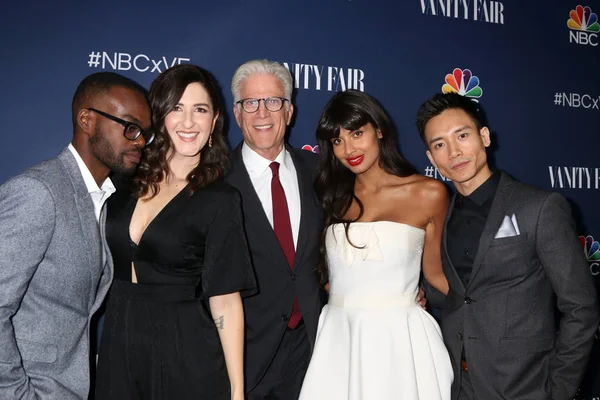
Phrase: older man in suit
{"type": "Point", "coordinates": [283, 222]}
{"type": "Point", "coordinates": [511, 256]}
{"type": "Point", "coordinates": [55, 268]}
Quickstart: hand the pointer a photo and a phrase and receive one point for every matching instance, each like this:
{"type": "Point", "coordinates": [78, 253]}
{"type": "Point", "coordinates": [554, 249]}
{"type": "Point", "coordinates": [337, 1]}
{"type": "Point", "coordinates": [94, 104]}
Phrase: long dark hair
{"type": "Point", "coordinates": [165, 93]}
{"type": "Point", "coordinates": [335, 183]}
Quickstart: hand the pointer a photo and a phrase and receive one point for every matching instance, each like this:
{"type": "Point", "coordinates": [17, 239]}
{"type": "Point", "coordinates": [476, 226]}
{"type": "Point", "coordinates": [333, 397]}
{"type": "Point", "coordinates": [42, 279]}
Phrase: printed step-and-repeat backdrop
{"type": "Point", "coordinates": [534, 66]}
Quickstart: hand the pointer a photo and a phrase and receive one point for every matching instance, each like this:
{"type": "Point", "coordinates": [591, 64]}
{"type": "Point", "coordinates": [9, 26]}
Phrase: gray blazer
{"type": "Point", "coordinates": [51, 281]}
{"type": "Point", "coordinates": [517, 346]}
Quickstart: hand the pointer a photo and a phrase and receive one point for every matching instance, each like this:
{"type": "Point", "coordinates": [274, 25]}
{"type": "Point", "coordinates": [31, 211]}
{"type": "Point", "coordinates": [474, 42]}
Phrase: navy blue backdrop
{"type": "Point", "coordinates": [533, 65]}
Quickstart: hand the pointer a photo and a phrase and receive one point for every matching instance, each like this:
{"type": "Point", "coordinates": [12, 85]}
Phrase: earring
{"type": "Point", "coordinates": [210, 141]}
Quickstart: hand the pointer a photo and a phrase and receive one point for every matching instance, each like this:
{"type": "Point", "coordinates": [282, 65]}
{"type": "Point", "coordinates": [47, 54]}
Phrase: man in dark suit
{"type": "Point", "coordinates": [283, 223]}
{"type": "Point", "coordinates": [511, 256]}
{"type": "Point", "coordinates": [55, 267]}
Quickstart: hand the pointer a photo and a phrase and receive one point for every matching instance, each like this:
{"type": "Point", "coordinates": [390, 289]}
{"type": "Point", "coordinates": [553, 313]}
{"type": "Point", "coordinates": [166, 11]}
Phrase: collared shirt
{"type": "Point", "coordinates": [261, 175]}
{"type": "Point", "coordinates": [99, 195]}
{"type": "Point", "coordinates": [466, 225]}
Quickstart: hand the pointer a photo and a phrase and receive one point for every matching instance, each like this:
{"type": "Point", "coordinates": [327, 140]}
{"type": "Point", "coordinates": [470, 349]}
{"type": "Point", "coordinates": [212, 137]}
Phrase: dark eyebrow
{"type": "Point", "coordinates": [462, 128]}
{"type": "Point", "coordinates": [457, 130]}
{"type": "Point", "coordinates": [134, 120]}
{"type": "Point", "coordinates": [197, 105]}
{"type": "Point", "coordinates": [131, 118]}
{"type": "Point", "coordinates": [435, 139]}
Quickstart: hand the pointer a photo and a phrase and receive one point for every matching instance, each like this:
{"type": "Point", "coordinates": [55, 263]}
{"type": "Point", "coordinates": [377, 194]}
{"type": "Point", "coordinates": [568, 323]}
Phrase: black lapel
{"type": "Point", "coordinates": [254, 213]}
{"type": "Point", "coordinates": [456, 279]}
{"type": "Point", "coordinates": [307, 212]}
{"type": "Point", "coordinates": [494, 220]}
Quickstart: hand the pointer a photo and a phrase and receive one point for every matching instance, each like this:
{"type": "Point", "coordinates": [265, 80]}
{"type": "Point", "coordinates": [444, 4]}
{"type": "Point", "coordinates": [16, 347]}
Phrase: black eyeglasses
{"type": "Point", "coordinates": [272, 104]}
{"type": "Point", "coordinates": [131, 130]}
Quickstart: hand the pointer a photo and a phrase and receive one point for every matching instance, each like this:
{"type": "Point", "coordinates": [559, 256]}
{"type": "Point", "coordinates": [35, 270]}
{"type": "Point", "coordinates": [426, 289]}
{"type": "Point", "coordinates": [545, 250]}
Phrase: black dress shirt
{"type": "Point", "coordinates": [466, 225]}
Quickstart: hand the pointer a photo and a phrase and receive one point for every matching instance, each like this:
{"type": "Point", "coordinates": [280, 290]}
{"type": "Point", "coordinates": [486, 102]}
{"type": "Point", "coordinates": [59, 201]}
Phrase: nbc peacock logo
{"type": "Point", "coordinates": [583, 19]}
{"type": "Point", "coordinates": [584, 26]}
{"type": "Point", "coordinates": [463, 82]}
{"type": "Point", "coordinates": [591, 250]}
{"type": "Point", "coordinates": [314, 149]}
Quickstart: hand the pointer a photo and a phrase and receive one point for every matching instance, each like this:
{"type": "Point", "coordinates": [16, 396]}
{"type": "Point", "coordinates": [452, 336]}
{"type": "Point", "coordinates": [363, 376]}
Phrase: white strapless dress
{"type": "Point", "coordinates": [374, 342]}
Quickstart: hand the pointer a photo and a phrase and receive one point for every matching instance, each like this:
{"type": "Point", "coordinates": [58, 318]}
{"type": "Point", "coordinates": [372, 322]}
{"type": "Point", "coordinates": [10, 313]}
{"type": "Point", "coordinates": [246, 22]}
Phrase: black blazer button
{"type": "Point", "coordinates": [468, 300]}
{"type": "Point", "coordinates": [284, 317]}
{"type": "Point", "coordinates": [294, 277]}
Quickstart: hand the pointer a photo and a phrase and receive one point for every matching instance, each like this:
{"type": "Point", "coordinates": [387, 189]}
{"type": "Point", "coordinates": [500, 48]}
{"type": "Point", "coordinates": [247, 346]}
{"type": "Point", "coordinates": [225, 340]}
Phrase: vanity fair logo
{"type": "Point", "coordinates": [463, 82]}
{"type": "Point", "coordinates": [574, 177]}
{"type": "Point", "coordinates": [329, 78]}
{"type": "Point", "coordinates": [475, 10]}
{"type": "Point", "coordinates": [591, 250]}
{"type": "Point", "coordinates": [118, 61]}
{"type": "Point", "coordinates": [584, 26]}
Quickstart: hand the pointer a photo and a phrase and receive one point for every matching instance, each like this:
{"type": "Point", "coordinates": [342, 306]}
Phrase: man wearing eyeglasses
{"type": "Point", "coordinates": [55, 267]}
{"type": "Point", "coordinates": [283, 223]}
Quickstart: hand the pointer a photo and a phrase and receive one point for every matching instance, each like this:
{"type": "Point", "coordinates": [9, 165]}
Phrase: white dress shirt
{"type": "Point", "coordinates": [99, 195]}
{"type": "Point", "coordinates": [261, 175]}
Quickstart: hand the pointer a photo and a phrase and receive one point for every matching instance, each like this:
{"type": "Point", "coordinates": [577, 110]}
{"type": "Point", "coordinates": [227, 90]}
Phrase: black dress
{"type": "Point", "coordinates": [159, 340]}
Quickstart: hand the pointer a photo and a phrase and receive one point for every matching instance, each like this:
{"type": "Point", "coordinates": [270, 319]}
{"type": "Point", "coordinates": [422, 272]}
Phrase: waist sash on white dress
{"type": "Point", "coordinates": [357, 301]}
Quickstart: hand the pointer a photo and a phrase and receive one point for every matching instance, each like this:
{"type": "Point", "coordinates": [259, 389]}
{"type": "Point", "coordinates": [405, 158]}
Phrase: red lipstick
{"type": "Point", "coordinates": [355, 161]}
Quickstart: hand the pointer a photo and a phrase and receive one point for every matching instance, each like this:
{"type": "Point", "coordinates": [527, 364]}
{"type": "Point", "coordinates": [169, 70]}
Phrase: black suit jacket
{"type": "Point", "coordinates": [267, 312]}
{"type": "Point", "coordinates": [516, 343]}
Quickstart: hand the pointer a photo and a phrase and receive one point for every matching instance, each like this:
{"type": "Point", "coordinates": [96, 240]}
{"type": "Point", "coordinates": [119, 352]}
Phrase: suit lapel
{"type": "Point", "coordinates": [87, 219]}
{"type": "Point", "coordinates": [254, 212]}
{"type": "Point", "coordinates": [108, 269]}
{"type": "Point", "coordinates": [494, 220]}
{"type": "Point", "coordinates": [307, 216]}
{"type": "Point", "coordinates": [459, 283]}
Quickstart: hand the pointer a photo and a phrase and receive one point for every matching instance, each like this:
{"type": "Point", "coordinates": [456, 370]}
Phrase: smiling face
{"type": "Point", "coordinates": [191, 122]}
{"type": "Point", "coordinates": [357, 150]}
{"type": "Point", "coordinates": [263, 130]}
{"type": "Point", "coordinates": [458, 149]}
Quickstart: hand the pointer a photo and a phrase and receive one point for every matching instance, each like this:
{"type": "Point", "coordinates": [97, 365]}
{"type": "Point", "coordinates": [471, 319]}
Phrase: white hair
{"type": "Point", "coordinates": [264, 67]}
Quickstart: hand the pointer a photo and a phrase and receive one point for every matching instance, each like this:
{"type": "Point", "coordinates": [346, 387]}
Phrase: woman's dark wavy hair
{"type": "Point", "coordinates": [165, 93]}
{"type": "Point", "coordinates": [334, 185]}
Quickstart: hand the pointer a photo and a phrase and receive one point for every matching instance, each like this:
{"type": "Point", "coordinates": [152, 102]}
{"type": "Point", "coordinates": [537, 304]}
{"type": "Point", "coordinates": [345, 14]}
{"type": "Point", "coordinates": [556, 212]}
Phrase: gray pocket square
{"type": "Point", "coordinates": [509, 228]}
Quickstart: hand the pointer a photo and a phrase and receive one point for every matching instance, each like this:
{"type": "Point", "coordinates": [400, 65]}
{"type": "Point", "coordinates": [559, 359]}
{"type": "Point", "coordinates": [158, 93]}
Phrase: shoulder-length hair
{"type": "Point", "coordinates": [165, 93]}
{"type": "Point", "coordinates": [334, 185]}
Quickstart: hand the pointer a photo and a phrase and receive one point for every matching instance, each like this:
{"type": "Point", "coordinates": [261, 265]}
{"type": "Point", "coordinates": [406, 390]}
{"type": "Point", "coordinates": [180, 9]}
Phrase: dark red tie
{"type": "Point", "coordinates": [283, 231]}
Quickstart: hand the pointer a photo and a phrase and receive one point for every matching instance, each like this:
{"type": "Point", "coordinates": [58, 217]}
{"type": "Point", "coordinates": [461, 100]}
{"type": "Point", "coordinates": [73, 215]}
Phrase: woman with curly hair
{"type": "Point", "coordinates": [174, 324]}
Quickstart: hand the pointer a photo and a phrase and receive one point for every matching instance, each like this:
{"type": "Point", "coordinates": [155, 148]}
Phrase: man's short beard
{"type": "Point", "coordinates": [126, 173]}
{"type": "Point", "coordinates": [104, 152]}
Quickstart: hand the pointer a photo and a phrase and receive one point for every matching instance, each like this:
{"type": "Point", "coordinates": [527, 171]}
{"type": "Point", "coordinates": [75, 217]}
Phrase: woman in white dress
{"type": "Point", "coordinates": [383, 226]}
